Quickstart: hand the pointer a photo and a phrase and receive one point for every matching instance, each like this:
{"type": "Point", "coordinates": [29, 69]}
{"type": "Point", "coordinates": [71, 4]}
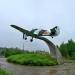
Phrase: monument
{"type": "Point", "coordinates": [39, 34]}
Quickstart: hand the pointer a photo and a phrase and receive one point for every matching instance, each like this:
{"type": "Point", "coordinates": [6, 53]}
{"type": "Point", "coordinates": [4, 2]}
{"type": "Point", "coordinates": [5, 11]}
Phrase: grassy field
{"type": "Point", "coordinates": [2, 72]}
{"type": "Point", "coordinates": [32, 59]}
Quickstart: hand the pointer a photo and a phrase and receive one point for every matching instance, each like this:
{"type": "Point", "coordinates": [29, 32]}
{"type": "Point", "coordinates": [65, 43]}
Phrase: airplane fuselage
{"type": "Point", "coordinates": [40, 32]}
{"type": "Point", "coordinates": [34, 33]}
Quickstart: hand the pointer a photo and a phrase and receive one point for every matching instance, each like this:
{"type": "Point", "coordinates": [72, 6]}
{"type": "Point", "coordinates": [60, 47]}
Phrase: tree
{"type": "Point", "coordinates": [64, 50]}
{"type": "Point", "coordinates": [68, 49]}
{"type": "Point", "coordinates": [71, 47]}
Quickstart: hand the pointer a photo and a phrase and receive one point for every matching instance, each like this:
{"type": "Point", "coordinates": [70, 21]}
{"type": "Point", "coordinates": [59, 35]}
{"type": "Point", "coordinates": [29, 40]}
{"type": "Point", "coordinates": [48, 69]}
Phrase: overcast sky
{"type": "Point", "coordinates": [30, 14]}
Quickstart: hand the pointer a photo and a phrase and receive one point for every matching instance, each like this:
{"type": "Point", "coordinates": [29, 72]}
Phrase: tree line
{"type": "Point", "coordinates": [13, 51]}
{"type": "Point", "coordinates": [68, 49]}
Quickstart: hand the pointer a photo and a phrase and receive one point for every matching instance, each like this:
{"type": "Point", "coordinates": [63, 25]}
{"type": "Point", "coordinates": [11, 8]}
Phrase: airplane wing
{"type": "Point", "coordinates": [28, 33]}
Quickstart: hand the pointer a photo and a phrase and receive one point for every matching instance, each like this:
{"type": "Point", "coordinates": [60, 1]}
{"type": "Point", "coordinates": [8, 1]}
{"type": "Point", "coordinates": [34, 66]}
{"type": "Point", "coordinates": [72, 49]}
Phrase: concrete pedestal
{"type": "Point", "coordinates": [54, 51]}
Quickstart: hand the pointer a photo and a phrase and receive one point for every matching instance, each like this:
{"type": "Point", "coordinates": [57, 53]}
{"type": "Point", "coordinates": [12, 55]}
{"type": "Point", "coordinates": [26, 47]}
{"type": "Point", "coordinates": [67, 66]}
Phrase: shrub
{"type": "Point", "coordinates": [32, 59]}
{"type": "Point", "coordinates": [2, 72]}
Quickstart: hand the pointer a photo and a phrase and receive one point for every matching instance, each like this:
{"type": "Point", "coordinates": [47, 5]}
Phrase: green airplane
{"type": "Point", "coordinates": [35, 33]}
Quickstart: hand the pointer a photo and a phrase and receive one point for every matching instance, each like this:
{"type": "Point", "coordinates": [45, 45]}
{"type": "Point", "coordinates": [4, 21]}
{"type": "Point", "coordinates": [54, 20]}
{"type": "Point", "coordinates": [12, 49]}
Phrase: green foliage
{"type": "Point", "coordinates": [33, 59]}
{"type": "Point", "coordinates": [9, 51]}
{"type": "Point", "coordinates": [68, 49]}
{"type": "Point", "coordinates": [12, 51]}
{"type": "Point", "coordinates": [73, 56]}
{"type": "Point", "coordinates": [64, 49]}
{"type": "Point", "coordinates": [2, 72]}
{"type": "Point", "coordinates": [2, 51]}
{"type": "Point", "coordinates": [71, 47]}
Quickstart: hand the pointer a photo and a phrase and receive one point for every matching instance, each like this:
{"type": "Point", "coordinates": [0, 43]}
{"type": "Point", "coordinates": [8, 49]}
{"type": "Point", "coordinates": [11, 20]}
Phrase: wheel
{"type": "Point", "coordinates": [31, 40]}
{"type": "Point", "coordinates": [25, 38]}
{"type": "Point", "coordinates": [52, 37]}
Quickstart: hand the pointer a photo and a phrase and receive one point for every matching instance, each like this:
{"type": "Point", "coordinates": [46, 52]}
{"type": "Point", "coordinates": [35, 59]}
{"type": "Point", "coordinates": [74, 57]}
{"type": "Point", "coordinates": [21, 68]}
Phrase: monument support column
{"type": "Point", "coordinates": [54, 51]}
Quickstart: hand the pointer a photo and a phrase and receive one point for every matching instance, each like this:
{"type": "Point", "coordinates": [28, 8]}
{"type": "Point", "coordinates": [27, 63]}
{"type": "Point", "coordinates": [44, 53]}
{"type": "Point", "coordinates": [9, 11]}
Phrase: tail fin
{"type": "Point", "coordinates": [55, 31]}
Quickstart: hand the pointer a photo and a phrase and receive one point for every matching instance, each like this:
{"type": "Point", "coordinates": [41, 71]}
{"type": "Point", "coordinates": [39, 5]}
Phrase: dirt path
{"type": "Point", "coordinates": [65, 69]}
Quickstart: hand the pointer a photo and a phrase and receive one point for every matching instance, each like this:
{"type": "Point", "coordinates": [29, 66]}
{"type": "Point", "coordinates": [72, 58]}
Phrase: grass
{"type": "Point", "coordinates": [33, 59]}
{"type": "Point", "coordinates": [2, 72]}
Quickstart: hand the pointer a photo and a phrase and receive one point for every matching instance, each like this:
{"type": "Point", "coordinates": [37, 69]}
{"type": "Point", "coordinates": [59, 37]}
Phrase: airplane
{"type": "Point", "coordinates": [34, 33]}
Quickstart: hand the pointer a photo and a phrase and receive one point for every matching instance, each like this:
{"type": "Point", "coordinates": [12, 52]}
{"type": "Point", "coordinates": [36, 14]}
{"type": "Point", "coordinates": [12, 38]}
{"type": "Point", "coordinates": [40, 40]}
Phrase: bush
{"type": "Point", "coordinates": [32, 59]}
{"type": "Point", "coordinates": [2, 72]}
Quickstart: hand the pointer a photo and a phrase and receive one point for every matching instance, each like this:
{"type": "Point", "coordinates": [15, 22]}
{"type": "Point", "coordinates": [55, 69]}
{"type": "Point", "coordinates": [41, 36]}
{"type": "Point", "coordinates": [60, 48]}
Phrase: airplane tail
{"type": "Point", "coordinates": [55, 31]}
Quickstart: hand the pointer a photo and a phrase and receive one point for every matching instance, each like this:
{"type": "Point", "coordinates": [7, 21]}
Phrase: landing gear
{"type": "Point", "coordinates": [52, 37]}
{"type": "Point", "coordinates": [25, 38]}
{"type": "Point", "coordinates": [31, 40]}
